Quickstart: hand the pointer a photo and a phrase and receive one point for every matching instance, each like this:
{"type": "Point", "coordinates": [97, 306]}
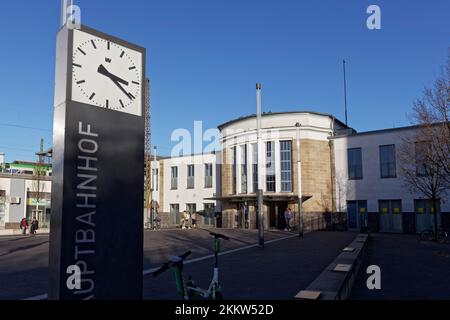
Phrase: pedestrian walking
{"type": "Point", "coordinates": [287, 218]}
{"type": "Point", "coordinates": [24, 225]}
{"type": "Point", "coordinates": [34, 226]}
{"type": "Point", "coordinates": [184, 220]}
{"type": "Point", "coordinates": [194, 219]}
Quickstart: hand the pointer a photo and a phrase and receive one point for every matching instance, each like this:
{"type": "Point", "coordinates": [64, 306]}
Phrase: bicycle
{"type": "Point", "coordinates": [429, 235]}
{"type": "Point", "coordinates": [187, 290]}
{"type": "Point", "coordinates": [156, 224]}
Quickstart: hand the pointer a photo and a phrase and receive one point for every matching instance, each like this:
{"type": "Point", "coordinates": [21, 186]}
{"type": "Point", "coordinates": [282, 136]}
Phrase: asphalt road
{"type": "Point", "coordinates": [279, 270]}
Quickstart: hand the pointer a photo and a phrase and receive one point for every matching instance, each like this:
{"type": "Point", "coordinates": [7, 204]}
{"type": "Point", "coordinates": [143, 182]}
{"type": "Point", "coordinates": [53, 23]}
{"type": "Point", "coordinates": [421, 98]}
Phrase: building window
{"type": "Point", "coordinates": [270, 167]}
{"type": "Point", "coordinates": [2, 207]}
{"type": "Point", "coordinates": [174, 214]}
{"type": "Point", "coordinates": [255, 167]}
{"type": "Point", "coordinates": [421, 152]}
{"type": "Point", "coordinates": [208, 175]}
{"type": "Point", "coordinates": [286, 165]}
{"type": "Point", "coordinates": [354, 164]}
{"type": "Point", "coordinates": [233, 170]}
{"type": "Point", "coordinates": [190, 176]}
{"type": "Point", "coordinates": [209, 210]}
{"type": "Point", "coordinates": [155, 174]}
{"type": "Point", "coordinates": [174, 178]}
{"type": "Point", "coordinates": [387, 161]}
{"type": "Point", "coordinates": [244, 168]}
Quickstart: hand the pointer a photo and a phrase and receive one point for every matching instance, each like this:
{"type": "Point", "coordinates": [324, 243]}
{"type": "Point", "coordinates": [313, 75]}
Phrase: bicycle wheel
{"type": "Point", "coordinates": [426, 235]}
{"type": "Point", "coordinates": [441, 236]}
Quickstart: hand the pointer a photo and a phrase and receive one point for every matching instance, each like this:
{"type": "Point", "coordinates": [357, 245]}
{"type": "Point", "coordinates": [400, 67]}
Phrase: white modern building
{"type": "Point", "coordinates": [348, 179]}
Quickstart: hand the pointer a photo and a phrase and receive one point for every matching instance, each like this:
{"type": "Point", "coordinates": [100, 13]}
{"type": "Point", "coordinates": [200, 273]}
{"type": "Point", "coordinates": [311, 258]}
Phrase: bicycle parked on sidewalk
{"type": "Point", "coordinates": [429, 235]}
{"type": "Point", "coordinates": [187, 290]}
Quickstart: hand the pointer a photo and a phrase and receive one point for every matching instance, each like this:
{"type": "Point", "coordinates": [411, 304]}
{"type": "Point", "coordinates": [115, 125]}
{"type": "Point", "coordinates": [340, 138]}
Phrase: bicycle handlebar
{"type": "Point", "coordinates": [166, 266]}
{"type": "Point", "coordinates": [163, 268]}
{"type": "Point", "coordinates": [185, 255]}
{"type": "Point", "coordinates": [218, 235]}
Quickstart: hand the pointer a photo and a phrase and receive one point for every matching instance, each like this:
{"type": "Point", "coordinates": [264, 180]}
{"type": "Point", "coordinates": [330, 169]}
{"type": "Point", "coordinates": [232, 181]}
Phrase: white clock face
{"type": "Point", "coordinates": [106, 74]}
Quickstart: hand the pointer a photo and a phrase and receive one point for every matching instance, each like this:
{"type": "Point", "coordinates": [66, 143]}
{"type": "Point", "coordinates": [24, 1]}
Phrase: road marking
{"type": "Point", "coordinates": [149, 271]}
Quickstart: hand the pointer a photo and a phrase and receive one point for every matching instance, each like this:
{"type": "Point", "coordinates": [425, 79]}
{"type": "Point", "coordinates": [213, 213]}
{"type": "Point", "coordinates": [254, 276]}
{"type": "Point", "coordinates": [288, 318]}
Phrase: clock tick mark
{"type": "Point", "coordinates": [76, 65]}
{"type": "Point", "coordinates": [79, 49]}
{"type": "Point", "coordinates": [81, 81]}
{"type": "Point", "coordinates": [107, 104]}
{"type": "Point", "coordinates": [135, 82]}
{"type": "Point", "coordinates": [132, 68]}
{"type": "Point", "coordinates": [93, 44]}
{"type": "Point", "coordinates": [121, 103]}
{"type": "Point", "coordinates": [109, 45]}
{"type": "Point", "coordinates": [121, 55]}
{"type": "Point", "coordinates": [92, 96]}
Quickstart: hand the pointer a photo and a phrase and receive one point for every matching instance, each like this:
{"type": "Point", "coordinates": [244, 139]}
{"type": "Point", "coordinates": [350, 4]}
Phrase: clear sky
{"type": "Point", "coordinates": [205, 56]}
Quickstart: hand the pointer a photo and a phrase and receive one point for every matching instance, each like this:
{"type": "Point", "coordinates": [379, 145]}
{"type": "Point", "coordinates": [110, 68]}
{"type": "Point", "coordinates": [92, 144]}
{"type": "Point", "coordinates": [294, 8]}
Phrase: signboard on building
{"type": "Point", "coordinates": [97, 206]}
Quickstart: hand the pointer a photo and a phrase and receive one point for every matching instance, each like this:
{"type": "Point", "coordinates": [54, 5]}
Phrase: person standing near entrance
{"type": "Point", "coordinates": [24, 225]}
{"type": "Point", "coordinates": [287, 218]}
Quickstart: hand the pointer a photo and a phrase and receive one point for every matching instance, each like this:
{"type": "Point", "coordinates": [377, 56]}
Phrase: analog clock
{"type": "Point", "coordinates": [106, 74]}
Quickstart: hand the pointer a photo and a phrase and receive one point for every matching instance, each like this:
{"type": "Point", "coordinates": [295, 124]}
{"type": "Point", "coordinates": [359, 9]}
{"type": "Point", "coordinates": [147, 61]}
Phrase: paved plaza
{"type": "Point", "coordinates": [286, 265]}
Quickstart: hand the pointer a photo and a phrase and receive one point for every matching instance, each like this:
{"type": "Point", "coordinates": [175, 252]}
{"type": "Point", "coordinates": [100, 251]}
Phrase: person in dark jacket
{"type": "Point", "coordinates": [34, 226]}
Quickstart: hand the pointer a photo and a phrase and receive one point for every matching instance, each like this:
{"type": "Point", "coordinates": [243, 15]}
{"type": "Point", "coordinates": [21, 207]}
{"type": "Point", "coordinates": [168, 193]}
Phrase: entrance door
{"type": "Point", "coordinates": [352, 209]}
{"type": "Point", "coordinates": [276, 212]}
{"type": "Point", "coordinates": [390, 215]}
{"type": "Point", "coordinates": [357, 214]}
{"type": "Point", "coordinates": [425, 215]}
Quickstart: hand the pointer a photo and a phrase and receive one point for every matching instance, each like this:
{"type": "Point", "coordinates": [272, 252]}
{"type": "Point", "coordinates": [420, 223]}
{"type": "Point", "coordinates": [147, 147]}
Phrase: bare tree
{"type": "Point", "coordinates": [424, 157]}
{"type": "Point", "coordinates": [38, 188]}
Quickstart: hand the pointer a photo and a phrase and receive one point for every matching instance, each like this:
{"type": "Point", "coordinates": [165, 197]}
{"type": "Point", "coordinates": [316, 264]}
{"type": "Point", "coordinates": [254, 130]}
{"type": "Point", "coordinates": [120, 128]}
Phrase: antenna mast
{"type": "Point", "coordinates": [345, 93]}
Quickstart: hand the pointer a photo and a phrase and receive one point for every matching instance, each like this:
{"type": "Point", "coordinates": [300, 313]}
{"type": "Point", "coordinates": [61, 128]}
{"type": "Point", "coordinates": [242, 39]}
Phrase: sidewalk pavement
{"type": "Point", "coordinates": [410, 269]}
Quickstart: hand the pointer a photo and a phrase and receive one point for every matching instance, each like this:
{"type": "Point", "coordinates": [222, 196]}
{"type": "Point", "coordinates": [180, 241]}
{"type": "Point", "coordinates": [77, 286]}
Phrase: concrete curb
{"type": "Point", "coordinates": [336, 281]}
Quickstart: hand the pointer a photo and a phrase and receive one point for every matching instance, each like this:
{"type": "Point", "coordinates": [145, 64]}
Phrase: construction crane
{"type": "Point", "coordinates": [148, 162]}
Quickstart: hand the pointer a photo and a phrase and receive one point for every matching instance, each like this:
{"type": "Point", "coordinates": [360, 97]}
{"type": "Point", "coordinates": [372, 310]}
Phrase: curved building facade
{"type": "Point", "coordinates": [279, 132]}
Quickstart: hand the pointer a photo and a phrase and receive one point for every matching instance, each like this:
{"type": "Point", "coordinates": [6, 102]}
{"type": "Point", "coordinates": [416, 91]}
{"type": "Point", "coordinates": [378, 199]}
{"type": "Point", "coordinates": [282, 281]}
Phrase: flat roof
{"type": "Point", "coordinates": [380, 131]}
{"type": "Point", "coordinates": [221, 126]}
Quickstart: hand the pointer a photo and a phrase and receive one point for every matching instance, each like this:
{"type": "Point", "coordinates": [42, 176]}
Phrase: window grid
{"type": "Point", "coordinates": [270, 167]}
{"type": "Point", "coordinates": [208, 175]}
{"type": "Point", "coordinates": [191, 176]}
{"type": "Point", "coordinates": [286, 165]}
{"type": "Point", "coordinates": [174, 177]}
{"type": "Point", "coordinates": [387, 161]}
{"type": "Point", "coordinates": [244, 168]}
{"type": "Point", "coordinates": [354, 164]}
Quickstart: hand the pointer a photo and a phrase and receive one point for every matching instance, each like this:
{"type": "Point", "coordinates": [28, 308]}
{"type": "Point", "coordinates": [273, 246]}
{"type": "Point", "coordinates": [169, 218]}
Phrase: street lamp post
{"type": "Point", "coordinates": [152, 190]}
{"type": "Point", "coordinates": [299, 181]}
{"type": "Point", "coordinates": [260, 168]}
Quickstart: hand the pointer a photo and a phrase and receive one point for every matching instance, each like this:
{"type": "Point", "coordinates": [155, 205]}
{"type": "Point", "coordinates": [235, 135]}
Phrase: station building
{"type": "Point", "coordinates": [350, 180]}
{"type": "Point", "coordinates": [24, 193]}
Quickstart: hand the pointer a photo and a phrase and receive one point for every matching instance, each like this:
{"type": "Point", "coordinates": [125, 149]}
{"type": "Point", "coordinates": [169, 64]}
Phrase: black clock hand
{"type": "Point", "coordinates": [102, 70]}
{"type": "Point", "coordinates": [121, 88]}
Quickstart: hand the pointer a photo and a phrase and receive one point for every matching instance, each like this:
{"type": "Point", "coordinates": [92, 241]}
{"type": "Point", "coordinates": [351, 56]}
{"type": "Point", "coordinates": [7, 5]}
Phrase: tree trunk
{"type": "Point", "coordinates": [433, 201]}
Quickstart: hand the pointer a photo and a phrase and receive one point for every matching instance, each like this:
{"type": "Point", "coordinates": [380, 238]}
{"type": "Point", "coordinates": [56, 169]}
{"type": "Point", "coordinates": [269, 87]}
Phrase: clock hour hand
{"type": "Point", "coordinates": [102, 70]}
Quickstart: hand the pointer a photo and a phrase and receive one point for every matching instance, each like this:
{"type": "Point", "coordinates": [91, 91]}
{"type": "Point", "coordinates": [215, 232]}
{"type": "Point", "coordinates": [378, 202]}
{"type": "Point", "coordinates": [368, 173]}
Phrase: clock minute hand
{"type": "Point", "coordinates": [121, 88]}
{"type": "Point", "coordinates": [102, 70]}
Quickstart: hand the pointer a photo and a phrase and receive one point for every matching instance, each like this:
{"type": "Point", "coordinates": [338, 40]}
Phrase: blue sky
{"type": "Point", "coordinates": [205, 56]}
